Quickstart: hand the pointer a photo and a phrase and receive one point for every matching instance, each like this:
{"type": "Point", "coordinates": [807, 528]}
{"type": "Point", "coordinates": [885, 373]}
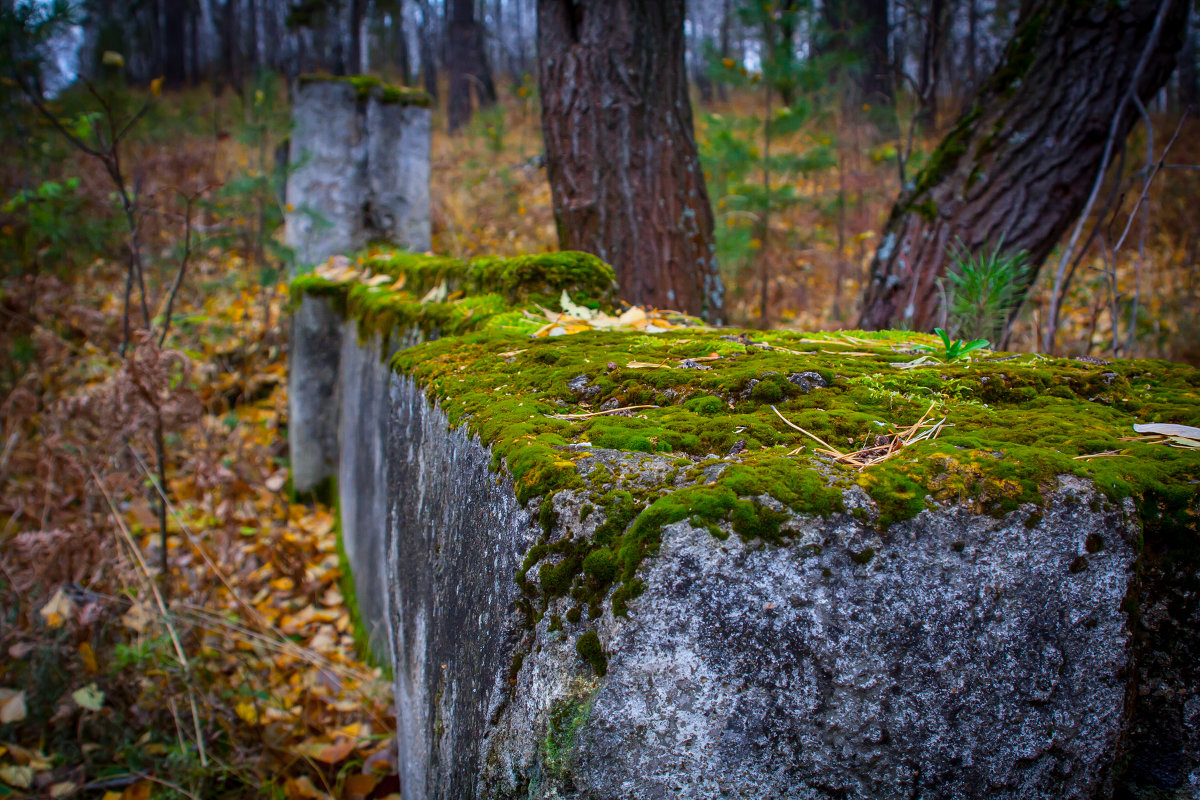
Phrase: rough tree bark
{"type": "Point", "coordinates": [1020, 162]}
{"type": "Point", "coordinates": [625, 177]}
{"type": "Point", "coordinates": [470, 76]}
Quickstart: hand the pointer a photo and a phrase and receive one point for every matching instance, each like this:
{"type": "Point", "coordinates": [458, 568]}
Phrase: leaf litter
{"type": "Point", "coordinates": [239, 675]}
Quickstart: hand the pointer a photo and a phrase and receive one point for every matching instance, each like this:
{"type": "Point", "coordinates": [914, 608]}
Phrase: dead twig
{"type": "Point", "coordinates": [597, 413]}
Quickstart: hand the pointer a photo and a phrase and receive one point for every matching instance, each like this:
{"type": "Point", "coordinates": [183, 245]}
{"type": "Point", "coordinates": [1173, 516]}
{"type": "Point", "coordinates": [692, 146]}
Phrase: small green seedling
{"type": "Point", "coordinates": [957, 348]}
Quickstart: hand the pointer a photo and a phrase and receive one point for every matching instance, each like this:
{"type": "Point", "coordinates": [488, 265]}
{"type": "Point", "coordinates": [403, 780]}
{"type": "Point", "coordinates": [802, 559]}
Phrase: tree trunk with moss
{"type": "Point", "coordinates": [625, 176]}
{"type": "Point", "coordinates": [1019, 164]}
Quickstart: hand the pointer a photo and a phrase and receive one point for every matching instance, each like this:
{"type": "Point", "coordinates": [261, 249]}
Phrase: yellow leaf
{"type": "Point", "coordinates": [20, 777]}
{"type": "Point", "coordinates": [112, 58]}
{"type": "Point", "coordinates": [58, 610]}
{"type": "Point", "coordinates": [247, 711]}
{"type": "Point", "coordinates": [139, 791]}
{"type": "Point", "coordinates": [12, 706]}
{"type": "Point", "coordinates": [302, 788]}
{"type": "Point", "coordinates": [136, 618]}
{"type": "Point", "coordinates": [88, 655]}
{"type": "Point", "coordinates": [156, 87]}
{"type": "Point", "coordinates": [89, 697]}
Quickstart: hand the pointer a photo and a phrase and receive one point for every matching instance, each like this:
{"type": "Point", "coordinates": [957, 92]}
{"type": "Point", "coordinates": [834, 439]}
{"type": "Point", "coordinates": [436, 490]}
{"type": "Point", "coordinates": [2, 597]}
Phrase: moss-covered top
{"type": "Point", "coordinates": [709, 399]}
{"type": "Point", "coordinates": [388, 290]}
{"type": "Point", "coordinates": [366, 86]}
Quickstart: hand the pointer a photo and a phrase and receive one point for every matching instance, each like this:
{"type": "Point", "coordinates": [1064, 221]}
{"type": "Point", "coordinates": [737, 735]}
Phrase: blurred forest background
{"type": "Point", "coordinates": [171, 623]}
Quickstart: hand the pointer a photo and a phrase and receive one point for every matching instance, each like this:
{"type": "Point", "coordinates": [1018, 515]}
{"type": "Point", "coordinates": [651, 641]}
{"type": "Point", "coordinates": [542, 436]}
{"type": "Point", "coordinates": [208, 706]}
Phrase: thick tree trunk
{"type": "Point", "coordinates": [1020, 163]}
{"type": "Point", "coordinates": [625, 176]}
{"type": "Point", "coordinates": [470, 76]}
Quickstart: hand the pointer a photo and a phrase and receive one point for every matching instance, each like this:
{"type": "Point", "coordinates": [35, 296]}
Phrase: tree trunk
{"type": "Point", "coordinates": [425, 50]}
{"type": "Point", "coordinates": [470, 77]}
{"type": "Point", "coordinates": [174, 69]}
{"type": "Point", "coordinates": [1189, 82]}
{"type": "Point", "coordinates": [400, 47]}
{"type": "Point", "coordinates": [231, 52]}
{"type": "Point", "coordinates": [860, 28]}
{"type": "Point", "coordinates": [931, 61]}
{"type": "Point", "coordinates": [625, 177]}
{"type": "Point", "coordinates": [1019, 164]}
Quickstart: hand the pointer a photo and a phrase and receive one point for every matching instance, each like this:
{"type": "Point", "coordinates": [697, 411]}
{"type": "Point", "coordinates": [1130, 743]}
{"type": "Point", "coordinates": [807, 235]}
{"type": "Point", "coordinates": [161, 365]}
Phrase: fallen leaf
{"type": "Point", "coordinates": [20, 777]}
{"type": "Point", "coordinates": [435, 295]}
{"type": "Point", "coordinates": [276, 481]}
{"type": "Point", "coordinates": [64, 789]}
{"type": "Point", "coordinates": [58, 610]}
{"type": "Point", "coordinates": [12, 706]}
{"type": "Point", "coordinates": [358, 787]}
{"type": "Point", "coordinates": [247, 711]}
{"type": "Point", "coordinates": [577, 311]}
{"type": "Point", "coordinates": [136, 618]}
{"type": "Point", "coordinates": [1167, 429]}
{"type": "Point", "coordinates": [21, 649]}
{"type": "Point", "coordinates": [139, 791]}
{"type": "Point", "coordinates": [302, 788]}
{"type": "Point", "coordinates": [88, 656]}
{"type": "Point", "coordinates": [89, 697]}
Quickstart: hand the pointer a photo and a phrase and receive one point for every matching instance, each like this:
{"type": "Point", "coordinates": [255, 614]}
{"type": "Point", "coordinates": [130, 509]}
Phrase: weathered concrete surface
{"type": "Point", "coordinates": [326, 188]}
{"type": "Point", "coordinates": [363, 480]}
{"type": "Point", "coordinates": [360, 173]}
{"type": "Point", "coordinates": [457, 537]}
{"type": "Point", "coordinates": [316, 342]}
{"type": "Point", "coordinates": [954, 656]}
{"type": "Point", "coordinates": [397, 174]}
{"type": "Point", "coordinates": [969, 657]}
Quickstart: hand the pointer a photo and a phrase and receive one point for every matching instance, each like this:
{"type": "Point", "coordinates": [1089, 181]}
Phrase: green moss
{"type": "Point", "coordinates": [568, 715]}
{"type": "Point", "coordinates": [589, 649]}
{"type": "Point", "coordinates": [366, 86]}
{"type": "Point", "coordinates": [362, 640]}
{"type": "Point", "coordinates": [865, 557]}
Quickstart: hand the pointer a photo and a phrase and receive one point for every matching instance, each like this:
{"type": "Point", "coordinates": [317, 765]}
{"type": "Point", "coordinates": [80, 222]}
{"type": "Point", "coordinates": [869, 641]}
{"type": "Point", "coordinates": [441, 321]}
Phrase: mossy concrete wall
{"type": "Point", "coordinates": [627, 606]}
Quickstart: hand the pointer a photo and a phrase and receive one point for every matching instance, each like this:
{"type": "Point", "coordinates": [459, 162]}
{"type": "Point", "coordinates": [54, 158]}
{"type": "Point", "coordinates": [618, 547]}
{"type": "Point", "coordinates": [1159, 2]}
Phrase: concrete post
{"type": "Point", "coordinates": [359, 173]}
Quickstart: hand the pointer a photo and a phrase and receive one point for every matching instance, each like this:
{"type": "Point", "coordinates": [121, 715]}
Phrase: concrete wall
{"type": "Point", "coordinates": [967, 657]}
{"type": "Point", "coordinates": [359, 173]}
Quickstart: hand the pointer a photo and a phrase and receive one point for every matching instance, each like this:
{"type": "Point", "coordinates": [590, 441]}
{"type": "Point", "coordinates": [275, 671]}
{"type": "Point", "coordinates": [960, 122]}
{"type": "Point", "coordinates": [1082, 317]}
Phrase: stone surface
{"type": "Point", "coordinates": [964, 658]}
{"type": "Point", "coordinates": [954, 654]}
{"type": "Point", "coordinates": [360, 173]}
{"type": "Point", "coordinates": [316, 343]}
{"type": "Point", "coordinates": [363, 481]}
{"type": "Point", "coordinates": [456, 538]}
{"type": "Point", "coordinates": [326, 187]}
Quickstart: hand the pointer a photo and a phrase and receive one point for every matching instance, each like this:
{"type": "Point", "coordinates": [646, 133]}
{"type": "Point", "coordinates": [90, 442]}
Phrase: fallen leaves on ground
{"type": "Point", "coordinates": [251, 685]}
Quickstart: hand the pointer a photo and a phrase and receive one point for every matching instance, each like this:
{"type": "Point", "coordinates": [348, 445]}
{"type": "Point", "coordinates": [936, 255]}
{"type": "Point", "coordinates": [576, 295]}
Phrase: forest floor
{"type": "Point", "coordinates": [236, 673]}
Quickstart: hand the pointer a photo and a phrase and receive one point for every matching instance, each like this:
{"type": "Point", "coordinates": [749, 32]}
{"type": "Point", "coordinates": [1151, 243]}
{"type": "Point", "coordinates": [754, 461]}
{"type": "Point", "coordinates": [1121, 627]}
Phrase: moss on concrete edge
{"type": "Point", "coordinates": [367, 86]}
{"type": "Point", "coordinates": [1014, 424]}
